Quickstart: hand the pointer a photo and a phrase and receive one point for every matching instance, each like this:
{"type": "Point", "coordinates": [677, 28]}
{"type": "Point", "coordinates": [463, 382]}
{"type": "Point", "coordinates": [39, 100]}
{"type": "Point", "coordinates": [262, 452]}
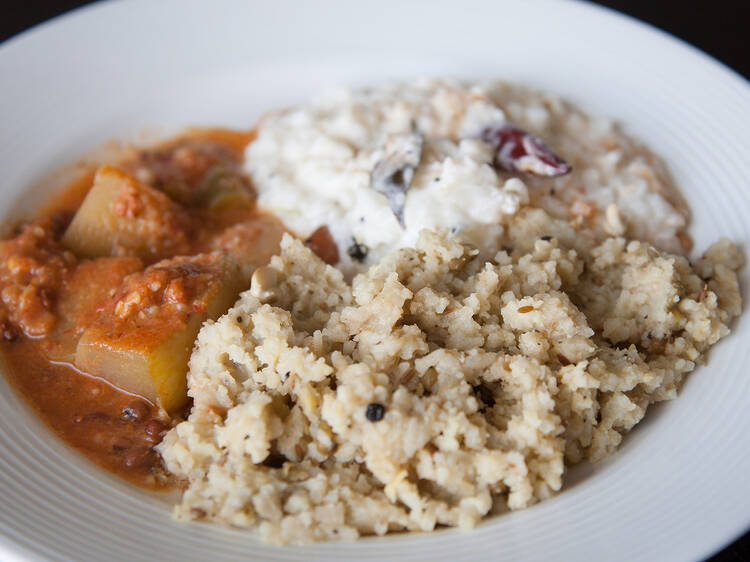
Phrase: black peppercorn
{"type": "Point", "coordinates": [375, 412]}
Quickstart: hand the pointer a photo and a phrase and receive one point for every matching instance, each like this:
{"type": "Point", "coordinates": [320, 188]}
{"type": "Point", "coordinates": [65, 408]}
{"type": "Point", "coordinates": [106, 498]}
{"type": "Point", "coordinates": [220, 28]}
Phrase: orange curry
{"type": "Point", "coordinates": [102, 296]}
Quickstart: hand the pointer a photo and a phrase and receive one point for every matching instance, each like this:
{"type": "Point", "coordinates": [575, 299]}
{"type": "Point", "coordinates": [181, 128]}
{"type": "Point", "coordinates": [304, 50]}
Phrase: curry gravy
{"type": "Point", "coordinates": [115, 429]}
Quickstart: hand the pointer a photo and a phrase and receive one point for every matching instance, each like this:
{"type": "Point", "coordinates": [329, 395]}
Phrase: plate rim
{"type": "Point", "coordinates": [17, 41]}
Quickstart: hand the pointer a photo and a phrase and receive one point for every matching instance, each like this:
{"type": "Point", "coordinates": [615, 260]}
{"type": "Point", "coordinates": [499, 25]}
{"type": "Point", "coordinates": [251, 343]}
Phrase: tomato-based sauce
{"type": "Point", "coordinates": [122, 288]}
{"type": "Point", "coordinates": [114, 429]}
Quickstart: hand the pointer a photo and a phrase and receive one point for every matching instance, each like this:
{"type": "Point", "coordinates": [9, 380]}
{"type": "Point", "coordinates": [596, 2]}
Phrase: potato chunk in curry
{"type": "Point", "coordinates": [142, 337]}
{"type": "Point", "coordinates": [86, 287]}
{"type": "Point", "coordinates": [122, 216]}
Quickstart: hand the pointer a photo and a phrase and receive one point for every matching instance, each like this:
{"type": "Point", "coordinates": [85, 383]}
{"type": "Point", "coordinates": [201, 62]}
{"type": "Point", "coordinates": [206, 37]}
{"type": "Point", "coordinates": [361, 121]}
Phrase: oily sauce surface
{"type": "Point", "coordinates": [114, 429]}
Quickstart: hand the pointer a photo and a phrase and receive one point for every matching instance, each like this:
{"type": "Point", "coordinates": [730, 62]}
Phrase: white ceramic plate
{"type": "Point", "coordinates": [679, 487]}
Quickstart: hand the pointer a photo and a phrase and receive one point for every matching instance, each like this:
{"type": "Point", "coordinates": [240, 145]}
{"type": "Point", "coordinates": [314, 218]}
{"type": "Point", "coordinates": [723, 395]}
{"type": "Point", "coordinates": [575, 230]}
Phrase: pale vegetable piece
{"type": "Point", "coordinates": [122, 216]}
{"type": "Point", "coordinates": [251, 243]}
{"type": "Point", "coordinates": [87, 288]}
{"type": "Point", "coordinates": [142, 339]}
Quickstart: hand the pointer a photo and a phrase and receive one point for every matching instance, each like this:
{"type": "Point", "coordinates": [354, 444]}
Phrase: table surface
{"type": "Point", "coordinates": [719, 28]}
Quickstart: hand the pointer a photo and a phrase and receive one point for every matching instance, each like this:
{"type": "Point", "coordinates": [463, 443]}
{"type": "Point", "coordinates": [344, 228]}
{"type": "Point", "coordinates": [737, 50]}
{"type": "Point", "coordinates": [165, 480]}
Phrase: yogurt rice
{"type": "Point", "coordinates": [312, 166]}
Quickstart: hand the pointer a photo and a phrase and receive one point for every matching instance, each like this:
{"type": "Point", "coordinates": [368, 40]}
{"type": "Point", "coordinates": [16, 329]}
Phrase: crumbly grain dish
{"type": "Point", "coordinates": [439, 386]}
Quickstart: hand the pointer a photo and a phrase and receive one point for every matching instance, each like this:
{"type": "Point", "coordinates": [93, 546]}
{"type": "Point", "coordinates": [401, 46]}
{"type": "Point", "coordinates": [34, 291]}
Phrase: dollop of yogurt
{"type": "Point", "coordinates": [312, 165]}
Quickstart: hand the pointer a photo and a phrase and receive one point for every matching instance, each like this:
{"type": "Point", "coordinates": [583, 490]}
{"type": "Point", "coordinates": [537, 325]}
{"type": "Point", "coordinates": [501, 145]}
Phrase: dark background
{"type": "Point", "coordinates": [720, 28]}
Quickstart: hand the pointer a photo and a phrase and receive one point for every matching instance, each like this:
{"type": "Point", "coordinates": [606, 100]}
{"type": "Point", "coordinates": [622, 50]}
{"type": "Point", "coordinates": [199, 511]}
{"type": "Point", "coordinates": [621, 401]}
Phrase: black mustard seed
{"type": "Point", "coordinates": [375, 412]}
